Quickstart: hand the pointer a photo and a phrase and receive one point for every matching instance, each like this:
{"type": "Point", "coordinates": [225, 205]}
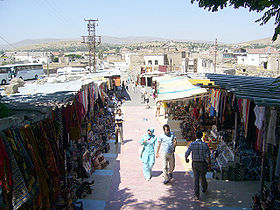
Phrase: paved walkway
{"type": "Point", "coordinates": [122, 185]}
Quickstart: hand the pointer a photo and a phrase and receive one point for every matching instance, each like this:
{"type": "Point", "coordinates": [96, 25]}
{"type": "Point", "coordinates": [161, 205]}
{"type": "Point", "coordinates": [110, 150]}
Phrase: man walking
{"type": "Point", "coordinates": [168, 142]}
{"type": "Point", "coordinates": [200, 153]}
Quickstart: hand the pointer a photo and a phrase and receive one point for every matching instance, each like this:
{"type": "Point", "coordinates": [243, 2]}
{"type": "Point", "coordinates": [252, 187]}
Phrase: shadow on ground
{"type": "Point", "coordinates": [179, 196]}
{"type": "Point", "coordinates": [124, 197]}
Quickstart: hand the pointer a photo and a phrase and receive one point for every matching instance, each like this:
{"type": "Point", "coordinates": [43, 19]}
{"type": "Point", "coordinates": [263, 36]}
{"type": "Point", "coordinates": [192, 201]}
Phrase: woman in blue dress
{"type": "Point", "coordinates": [148, 141]}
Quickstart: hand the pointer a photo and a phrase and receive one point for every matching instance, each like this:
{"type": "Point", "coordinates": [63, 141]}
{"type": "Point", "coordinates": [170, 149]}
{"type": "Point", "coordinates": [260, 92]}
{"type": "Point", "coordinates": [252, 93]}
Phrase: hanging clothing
{"type": "Point", "coordinates": [5, 173]}
{"type": "Point", "coordinates": [29, 140]}
{"type": "Point", "coordinates": [277, 170]}
{"type": "Point", "coordinates": [148, 155]}
{"type": "Point", "coordinates": [259, 113]}
{"type": "Point", "coordinates": [245, 113]}
{"type": "Point", "coordinates": [50, 163]}
{"type": "Point", "coordinates": [19, 190]}
{"type": "Point", "coordinates": [25, 164]}
{"type": "Point", "coordinates": [271, 135]}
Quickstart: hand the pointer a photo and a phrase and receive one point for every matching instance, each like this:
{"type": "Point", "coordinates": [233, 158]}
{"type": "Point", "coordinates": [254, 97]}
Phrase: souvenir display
{"type": "Point", "coordinates": [268, 198]}
{"type": "Point", "coordinates": [44, 163]}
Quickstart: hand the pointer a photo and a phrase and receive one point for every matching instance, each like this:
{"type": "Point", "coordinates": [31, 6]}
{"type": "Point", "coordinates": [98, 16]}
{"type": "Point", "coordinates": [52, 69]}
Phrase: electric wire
{"type": "Point", "coordinates": [13, 47]}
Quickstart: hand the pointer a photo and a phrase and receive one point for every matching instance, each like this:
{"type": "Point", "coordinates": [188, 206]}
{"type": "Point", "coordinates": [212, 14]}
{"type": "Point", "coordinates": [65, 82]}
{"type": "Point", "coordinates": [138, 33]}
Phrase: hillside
{"type": "Point", "coordinates": [133, 41]}
{"type": "Point", "coordinates": [265, 41]}
{"type": "Point", "coordinates": [75, 43]}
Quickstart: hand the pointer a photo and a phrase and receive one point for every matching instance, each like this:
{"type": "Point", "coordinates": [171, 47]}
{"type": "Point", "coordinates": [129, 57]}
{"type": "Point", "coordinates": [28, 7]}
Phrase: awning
{"type": "Point", "coordinates": [178, 88]}
{"type": "Point", "coordinates": [261, 90]}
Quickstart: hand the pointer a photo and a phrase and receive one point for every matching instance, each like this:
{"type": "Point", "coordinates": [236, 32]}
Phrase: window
{"type": "Point", "coordinates": [4, 70]}
{"type": "Point", "coordinates": [156, 62]}
{"type": "Point", "coordinates": [244, 70]}
{"type": "Point", "coordinates": [150, 62]}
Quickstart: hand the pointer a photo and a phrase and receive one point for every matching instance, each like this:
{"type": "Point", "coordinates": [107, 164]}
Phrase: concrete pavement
{"type": "Point", "coordinates": [122, 185]}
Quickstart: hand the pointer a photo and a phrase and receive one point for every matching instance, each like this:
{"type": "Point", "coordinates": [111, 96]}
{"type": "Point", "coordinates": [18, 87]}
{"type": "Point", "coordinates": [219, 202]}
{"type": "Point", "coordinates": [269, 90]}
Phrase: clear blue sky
{"type": "Point", "coordinates": [177, 19]}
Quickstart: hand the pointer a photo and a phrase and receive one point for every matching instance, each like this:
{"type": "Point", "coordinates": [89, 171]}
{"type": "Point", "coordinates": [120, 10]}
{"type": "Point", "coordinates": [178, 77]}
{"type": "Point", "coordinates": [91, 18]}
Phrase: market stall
{"type": "Point", "coordinates": [247, 113]}
{"type": "Point", "coordinates": [54, 137]}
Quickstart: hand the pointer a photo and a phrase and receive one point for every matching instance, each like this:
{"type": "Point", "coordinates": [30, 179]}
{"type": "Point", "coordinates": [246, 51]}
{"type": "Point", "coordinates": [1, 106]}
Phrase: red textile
{"type": "Point", "coordinates": [5, 172]}
{"type": "Point", "coordinates": [73, 115]}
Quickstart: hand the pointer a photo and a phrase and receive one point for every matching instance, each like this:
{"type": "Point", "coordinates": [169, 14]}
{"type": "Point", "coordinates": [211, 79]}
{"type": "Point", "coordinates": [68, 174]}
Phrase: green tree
{"type": "Point", "coordinates": [271, 8]}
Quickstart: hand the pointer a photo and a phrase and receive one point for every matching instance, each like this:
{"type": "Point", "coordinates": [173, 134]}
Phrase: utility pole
{"type": "Point", "coordinates": [91, 40]}
{"type": "Point", "coordinates": [215, 63]}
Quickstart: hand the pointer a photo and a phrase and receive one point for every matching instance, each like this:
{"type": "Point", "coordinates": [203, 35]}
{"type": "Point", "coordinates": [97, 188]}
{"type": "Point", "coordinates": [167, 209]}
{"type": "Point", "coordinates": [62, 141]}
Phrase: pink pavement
{"type": "Point", "coordinates": [129, 189]}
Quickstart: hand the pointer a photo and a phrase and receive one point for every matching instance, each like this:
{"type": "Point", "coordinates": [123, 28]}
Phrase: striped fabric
{"type": "Point", "coordinates": [19, 192]}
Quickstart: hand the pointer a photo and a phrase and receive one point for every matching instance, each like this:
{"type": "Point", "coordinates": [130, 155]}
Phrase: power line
{"type": "Point", "coordinates": [55, 16]}
{"type": "Point", "coordinates": [8, 43]}
{"type": "Point", "coordinates": [59, 13]}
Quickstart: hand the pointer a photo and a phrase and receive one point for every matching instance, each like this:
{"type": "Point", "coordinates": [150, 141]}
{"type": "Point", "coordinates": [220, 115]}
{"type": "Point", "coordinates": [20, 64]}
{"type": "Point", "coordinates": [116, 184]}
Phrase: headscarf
{"type": "Point", "coordinates": [151, 129]}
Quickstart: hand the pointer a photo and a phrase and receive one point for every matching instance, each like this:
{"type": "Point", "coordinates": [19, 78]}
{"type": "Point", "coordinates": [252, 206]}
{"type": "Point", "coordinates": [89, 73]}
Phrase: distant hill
{"type": "Point", "coordinates": [44, 43]}
{"type": "Point", "coordinates": [54, 44]}
{"type": "Point", "coordinates": [265, 41]}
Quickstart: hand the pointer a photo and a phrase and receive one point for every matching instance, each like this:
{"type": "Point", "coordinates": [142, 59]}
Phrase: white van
{"type": "Point", "coordinates": [71, 70]}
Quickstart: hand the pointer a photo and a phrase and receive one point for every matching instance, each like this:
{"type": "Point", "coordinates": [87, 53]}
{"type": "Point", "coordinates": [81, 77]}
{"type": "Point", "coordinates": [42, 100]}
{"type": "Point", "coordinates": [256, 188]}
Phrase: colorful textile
{"type": "Point", "coordinates": [42, 175]}
{"type": "Point", "coordinates": [5, 172]}
{"type": "Point", "coordinates": [50, 164]}
{"type": "Point", "coordinates": [19, 191]}
{"type": "Point", "coordinates": [25, 164]}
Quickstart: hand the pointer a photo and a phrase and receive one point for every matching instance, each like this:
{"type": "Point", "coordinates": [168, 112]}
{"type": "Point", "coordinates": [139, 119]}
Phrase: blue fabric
{"type": "Point", "coordinates": [147, 169]}
{"type": "Point", "coordinates": [212, 111]}
{"type": "Point", "coordinates": [167, 142]}
{"type": "Point", "coordinates": [199, 149]}
{"type": "Point", "coordinates": [148, 155]}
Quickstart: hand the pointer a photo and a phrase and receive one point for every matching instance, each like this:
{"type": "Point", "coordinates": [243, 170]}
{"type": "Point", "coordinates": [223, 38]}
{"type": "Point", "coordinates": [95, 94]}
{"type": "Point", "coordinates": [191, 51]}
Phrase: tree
{"type": "Point", "coordinates": [271, 8]}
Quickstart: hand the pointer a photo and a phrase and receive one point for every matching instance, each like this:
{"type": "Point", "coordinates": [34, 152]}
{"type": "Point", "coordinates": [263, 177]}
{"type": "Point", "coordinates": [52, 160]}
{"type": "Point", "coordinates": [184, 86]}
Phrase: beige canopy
{"type": "Point", "coordinates": [178, 88]}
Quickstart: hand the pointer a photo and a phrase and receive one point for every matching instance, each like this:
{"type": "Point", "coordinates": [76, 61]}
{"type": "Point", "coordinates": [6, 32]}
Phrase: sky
{"type": "Point", "coordinates": [173, 19]}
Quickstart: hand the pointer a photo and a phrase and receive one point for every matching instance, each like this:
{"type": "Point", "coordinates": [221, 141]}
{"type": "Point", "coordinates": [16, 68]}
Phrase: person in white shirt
{"type": "Point", "coordinates": [119, 119]}
{"type": "Point", "coordinates": [143, 91]}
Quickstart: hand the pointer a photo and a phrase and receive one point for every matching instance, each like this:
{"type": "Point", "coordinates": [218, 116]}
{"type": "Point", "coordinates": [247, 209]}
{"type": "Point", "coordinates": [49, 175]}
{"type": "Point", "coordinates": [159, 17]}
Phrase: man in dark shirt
{"type": "Point", "coordinates": [200, 154]}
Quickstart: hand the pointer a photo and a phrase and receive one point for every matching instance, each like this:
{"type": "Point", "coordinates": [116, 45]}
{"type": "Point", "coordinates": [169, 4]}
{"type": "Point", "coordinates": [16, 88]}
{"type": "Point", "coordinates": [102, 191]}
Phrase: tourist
{"type": "Point", "coordinates": [119, 119]}
{"type": "Point", "coordinates": [126, 85]}
{"type": "Point", "coordinates": [147, 99]}
{"type": "Point", "coordinates": [158, 105]}
{"type": "Point", "coordinates": [168, 142]}
{"type": "Point", "coordinates": [200, 154]}
{"type": "Point", "coordinates": [147, 155]}
{"type": "Point", "coordinates": [143, 91]}
{"type": "Point", "coordinates": [123, 86]}
{"type": "Point", "coordinates": [133, 87]}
